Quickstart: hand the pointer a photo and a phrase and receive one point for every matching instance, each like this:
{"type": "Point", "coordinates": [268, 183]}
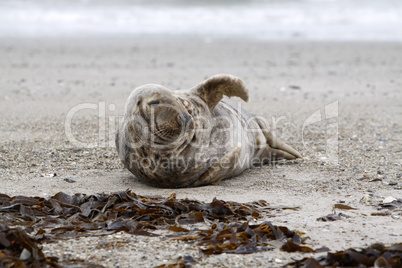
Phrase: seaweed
{"type": "Point", "coordinates": [17, 249]}
{"type": "Point", "coordinates": [343, 206]}
{"type": "Point", "coordinates": [63, 216]}
{"type": "Point", "coordinates": [181, 262]}
{"type": "Point", "coordinates": [228, 227]}
{"type": "Point", "coordinates": [376, 255]}
{"type": "Point", "coordinates": [242, 238]}
{"type": "Point", "coordinates": [393, 205]}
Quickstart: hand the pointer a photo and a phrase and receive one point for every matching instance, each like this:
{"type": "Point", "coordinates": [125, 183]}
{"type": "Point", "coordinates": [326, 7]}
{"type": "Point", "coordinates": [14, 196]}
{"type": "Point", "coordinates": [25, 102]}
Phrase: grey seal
{"type": "Point", "coordinates": [192, 137]}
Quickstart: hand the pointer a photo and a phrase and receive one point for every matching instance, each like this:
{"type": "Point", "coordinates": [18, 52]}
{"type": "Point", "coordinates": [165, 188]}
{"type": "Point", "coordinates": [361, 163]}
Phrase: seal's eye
{"type": "Point", "coordinates": [153, 103]}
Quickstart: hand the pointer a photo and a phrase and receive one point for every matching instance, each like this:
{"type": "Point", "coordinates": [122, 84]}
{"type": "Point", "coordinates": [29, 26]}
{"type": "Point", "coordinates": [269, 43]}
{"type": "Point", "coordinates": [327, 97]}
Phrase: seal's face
{"type": "Point", "coordinates": [163, 114]}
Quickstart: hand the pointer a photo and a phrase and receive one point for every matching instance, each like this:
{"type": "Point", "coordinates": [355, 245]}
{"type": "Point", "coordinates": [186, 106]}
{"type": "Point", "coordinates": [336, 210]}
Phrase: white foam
{"type": "Point", "coordinates": [303, 19]}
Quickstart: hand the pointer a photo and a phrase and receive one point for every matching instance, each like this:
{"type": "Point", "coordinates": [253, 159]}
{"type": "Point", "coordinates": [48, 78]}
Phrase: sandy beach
{"type": "Point", "coordinates": [351, 154]}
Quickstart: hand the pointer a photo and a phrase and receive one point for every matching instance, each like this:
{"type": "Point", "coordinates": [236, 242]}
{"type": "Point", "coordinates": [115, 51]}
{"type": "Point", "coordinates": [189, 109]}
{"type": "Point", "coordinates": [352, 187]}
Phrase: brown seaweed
{"type": "Point", "coordinates": [343, 206]}
{"type": "Point", "coordinates": [26, 222]}
{"type": "Point", "coordinates": [394, 205]}
{"type": "Point", "coordinates": [376, 255]}
{"type": "Point", "coordinates": [17, 249]}
{"type": "Point", "coordinates": [240, 238]}
{"type": "Point", "coordinates": [181, 262]}
{"type": "Point", "coordinates": [64, 216]}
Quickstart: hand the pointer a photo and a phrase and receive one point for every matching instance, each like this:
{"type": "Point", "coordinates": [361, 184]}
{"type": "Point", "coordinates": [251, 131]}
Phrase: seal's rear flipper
{"type": "Point", "coordinates": [276, 149]}
{"type": "Point", "coordinates": [213, 89]}
{"type": "Point", "coordinates": [220, 169]}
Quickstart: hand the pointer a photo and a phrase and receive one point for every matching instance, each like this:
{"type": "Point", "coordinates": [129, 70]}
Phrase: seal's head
{"type": "Point", "coordinates": [156, 114]}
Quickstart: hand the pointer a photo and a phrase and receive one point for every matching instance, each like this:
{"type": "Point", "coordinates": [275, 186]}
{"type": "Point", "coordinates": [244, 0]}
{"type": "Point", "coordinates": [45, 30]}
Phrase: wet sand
{"type": "Point", "coordinates": [43, 80]}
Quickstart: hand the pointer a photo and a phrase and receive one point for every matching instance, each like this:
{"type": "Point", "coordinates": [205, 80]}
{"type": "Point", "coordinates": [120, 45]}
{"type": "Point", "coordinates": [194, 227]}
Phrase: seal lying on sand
{"type": "Point", "coordinates": [191, 137]}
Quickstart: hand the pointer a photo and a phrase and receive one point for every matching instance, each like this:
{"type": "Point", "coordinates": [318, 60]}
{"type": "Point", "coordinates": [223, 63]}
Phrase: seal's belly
{"type": "Point", "coordinates": [233, 126]}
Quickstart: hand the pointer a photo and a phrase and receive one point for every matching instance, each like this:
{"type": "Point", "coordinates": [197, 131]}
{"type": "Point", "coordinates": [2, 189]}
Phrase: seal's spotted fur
{"type": "Point", "coordinates": [191, 137]}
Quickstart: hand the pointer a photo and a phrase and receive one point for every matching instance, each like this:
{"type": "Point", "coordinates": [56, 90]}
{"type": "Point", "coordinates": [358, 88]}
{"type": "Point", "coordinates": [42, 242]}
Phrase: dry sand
{"type": "Point", "coordinates": [43, 79]}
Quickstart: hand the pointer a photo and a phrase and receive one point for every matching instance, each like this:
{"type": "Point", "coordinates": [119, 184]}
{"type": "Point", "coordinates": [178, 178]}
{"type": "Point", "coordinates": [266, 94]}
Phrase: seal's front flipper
{"type": "Point", "coordinates": [213, 89]}
{"type": "Point", "coordinates": [220, 169]}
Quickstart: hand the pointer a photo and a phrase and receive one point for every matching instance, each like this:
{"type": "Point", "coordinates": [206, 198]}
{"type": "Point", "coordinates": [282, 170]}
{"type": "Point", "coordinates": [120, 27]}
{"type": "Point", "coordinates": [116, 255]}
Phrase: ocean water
{"type": "Point", "coordinates": [369, 20]}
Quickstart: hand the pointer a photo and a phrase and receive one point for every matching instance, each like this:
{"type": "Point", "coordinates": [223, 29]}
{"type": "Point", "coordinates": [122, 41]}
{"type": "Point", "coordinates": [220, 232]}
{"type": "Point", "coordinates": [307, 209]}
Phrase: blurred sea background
{"type": "Point", "coordinates": [342, 20]}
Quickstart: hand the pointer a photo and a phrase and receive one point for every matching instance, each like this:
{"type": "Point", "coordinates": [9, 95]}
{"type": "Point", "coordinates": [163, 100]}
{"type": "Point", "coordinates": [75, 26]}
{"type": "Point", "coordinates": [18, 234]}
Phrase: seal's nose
{"type": "Point", "coordinates": [185, 118]}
